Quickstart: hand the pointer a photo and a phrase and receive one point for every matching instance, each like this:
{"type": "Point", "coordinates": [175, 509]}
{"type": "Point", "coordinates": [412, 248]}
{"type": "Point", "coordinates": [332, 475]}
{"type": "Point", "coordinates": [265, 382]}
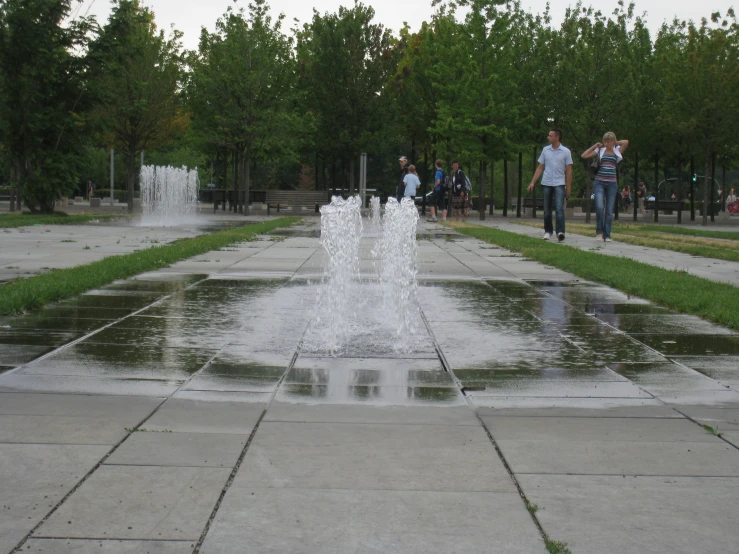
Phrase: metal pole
{"type": "Point", "coordinates": [656, 192]}
{"type": "Point", "coordinates": [679, 190]}
{"type": "Point", "coordinates": [520, 184]}
{"type": "Point", "coordinates": [112, 175]}
{"type": "Point", "coordinates": [713, 181]}
{"type": "Point", "coordinates": [636, 184]}
{"type": "Point", "coordinates": [505, 184]}
{"type": "Point", "coordinates": [533, 191]}
{"type": "Point", "coordinates": [483, 185]}
{"type": "Point", "coordinates": [692, 188]}
{"type": "Point", "coordinates": [492, 187]}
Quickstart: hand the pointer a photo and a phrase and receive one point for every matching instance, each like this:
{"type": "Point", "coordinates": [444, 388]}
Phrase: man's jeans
{"type": "Point", "coordinates": [558, 193]}
{"type": "Point", "coordinates": [605, 203]}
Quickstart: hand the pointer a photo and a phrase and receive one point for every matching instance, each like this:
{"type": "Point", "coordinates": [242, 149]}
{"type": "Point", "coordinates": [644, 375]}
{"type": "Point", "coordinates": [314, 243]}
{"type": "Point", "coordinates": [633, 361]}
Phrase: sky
{"type": "Point", "coordinates": [190, 15]}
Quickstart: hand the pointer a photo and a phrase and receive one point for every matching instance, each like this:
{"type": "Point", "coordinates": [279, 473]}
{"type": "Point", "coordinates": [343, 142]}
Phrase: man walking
{"type": "Point", "coordinates": [556, 164]}
{"type": "Point", "coordinates": [400, 192]}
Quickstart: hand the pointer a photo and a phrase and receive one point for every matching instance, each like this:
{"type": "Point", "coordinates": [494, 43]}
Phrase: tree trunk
{"type": "Point", "coordinates": [247, 182]}
{"type": "Point", "coordinates": [483, 185]}
{"type": "Point", "coordinates": [131, 175]}
{"type": "Point", "coordinates": [706, 173]}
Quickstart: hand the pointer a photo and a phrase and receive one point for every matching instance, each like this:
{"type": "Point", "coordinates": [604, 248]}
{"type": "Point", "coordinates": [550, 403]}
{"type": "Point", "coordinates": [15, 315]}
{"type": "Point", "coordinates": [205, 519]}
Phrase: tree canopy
{"type": "Point", "coordinates": [481, 82]}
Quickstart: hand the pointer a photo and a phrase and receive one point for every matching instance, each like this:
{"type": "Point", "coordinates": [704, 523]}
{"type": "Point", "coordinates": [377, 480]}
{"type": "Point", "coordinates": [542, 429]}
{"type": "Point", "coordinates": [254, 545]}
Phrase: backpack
{"type": "Point", "coordinates": [446, 182]}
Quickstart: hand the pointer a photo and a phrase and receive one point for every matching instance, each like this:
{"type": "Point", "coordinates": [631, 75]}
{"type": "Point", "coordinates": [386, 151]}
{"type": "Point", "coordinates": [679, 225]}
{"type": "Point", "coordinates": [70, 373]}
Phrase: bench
{"type": "Point", "coordinates": [666, 205]}
{"type": "Point", "coordinates": [296, 199]}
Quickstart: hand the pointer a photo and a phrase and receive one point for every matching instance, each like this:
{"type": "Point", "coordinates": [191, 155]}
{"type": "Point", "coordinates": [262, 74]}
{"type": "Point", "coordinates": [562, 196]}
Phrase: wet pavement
{"type": "Point", "coordinates": [184, 410]}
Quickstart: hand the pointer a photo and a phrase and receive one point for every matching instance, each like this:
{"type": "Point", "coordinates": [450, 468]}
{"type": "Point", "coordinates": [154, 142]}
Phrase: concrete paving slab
{"type": "Point", "coordinates": [650, 515]}
{"type": "Point", "coordinates": [658, 410]}
{"type": "Point", "coordinates": [224, 396]}
{"type": "Point", "coordinates": [105, 546]}
{"type": "Point", "coordinates": [724, 369]}
{"type": "Point", "coordinates": [128, 409]}
{"type": "Point", "coordinates": [722, 417]}
{"type": "Point", "coordinates": [560, 402]}
{"type": "Point", "coordinates": [163, 448]}
{"type": "Point", "coordinates": [62, 430]}
{"type": "Point", "coordinates": [16, 354]}
{"type": "Point", "coordinates": [568, 429]}
{"type": "Point", "coordinates": [372, 456]}
{"type": "Point", "coordinates": [563, 388]}
{"type": "Point", "coordinates": [134, 502]}
{"type": "Point", "coordinates": [235, 383]}
{"type": "Point", "coordinates": [197, 416]}
{"type": "Point", "coordinates": [399, 415]}
{"type": "Point", "coordinates": [14, 382]}
{"type": "Point", "coordinates": [35, 477]}
{"type": "Point", "coordinates": [622, 457]}
{"type": "Point", "coordinates": [13, 530]}
{"type": "Point", "coordinates": [88, 359]}
{"type": "Point", "coordinates": [357, 364]}
{"type": "Point", "coordinates": [339, 521]}
{"type": "Point", "coordinates": [339, 393]}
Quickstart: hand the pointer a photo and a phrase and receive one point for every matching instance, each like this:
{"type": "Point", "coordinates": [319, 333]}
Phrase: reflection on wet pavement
{"type": "Point", "coordinates": [484, 341]}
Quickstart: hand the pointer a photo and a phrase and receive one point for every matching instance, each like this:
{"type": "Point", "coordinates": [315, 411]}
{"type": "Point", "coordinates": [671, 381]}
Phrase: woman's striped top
{"type": "Point", "coordinates": [607, 170]}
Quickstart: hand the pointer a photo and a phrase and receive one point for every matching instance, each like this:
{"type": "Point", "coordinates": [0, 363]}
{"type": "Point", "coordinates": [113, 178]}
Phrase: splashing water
{"type": "Point", "coordinates": [374, 214]}
{"type": "Point", "coordinates": [356, 317]}
{"type": "Point", "coordinates": [168, 194]}
{"type": "Point", "coordinates": [341, 231]}
{"type": "Point", "coordinates": [396, 261]}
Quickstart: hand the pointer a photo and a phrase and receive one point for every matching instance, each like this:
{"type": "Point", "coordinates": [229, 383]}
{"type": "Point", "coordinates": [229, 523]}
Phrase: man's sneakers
{"type": "Point", "coordinates": [546, 236]}
{"type": "Point", "coordinates": [608, 239]}
{"type": "Point", "coordinates": [560, 237]}
{"type": "Point", "coordinates": [598, 237]}
{"type": "Point", "coordinates": [431, 219]}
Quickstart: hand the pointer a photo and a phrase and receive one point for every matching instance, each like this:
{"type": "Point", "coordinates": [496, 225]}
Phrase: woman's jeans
{"type": "Point", "coordinates": [605, 203]}
{"type": "Point", "coordinates": [558, 195]}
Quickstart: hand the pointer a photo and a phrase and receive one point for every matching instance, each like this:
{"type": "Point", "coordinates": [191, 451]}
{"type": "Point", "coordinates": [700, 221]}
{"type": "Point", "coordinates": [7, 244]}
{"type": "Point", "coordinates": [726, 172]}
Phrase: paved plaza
{"type": "Point", "coordinates": [179, 411]}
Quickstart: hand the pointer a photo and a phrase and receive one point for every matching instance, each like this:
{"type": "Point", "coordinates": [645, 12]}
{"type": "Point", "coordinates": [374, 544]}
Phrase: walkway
{"type": "Point", "coordinates": [709, 268]}
{"type": "Point", "coordinates": [182, 411]}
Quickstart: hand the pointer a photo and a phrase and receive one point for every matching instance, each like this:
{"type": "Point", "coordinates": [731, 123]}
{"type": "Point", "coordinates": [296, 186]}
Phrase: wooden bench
{"type": "Point", "coordinates": [296, 199]}
{"type": "Point", "coordinates": [667, 205]}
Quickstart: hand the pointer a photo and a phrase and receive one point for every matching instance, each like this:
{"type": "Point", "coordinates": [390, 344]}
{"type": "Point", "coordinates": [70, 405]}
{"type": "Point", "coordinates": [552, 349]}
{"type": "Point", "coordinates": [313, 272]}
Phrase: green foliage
{"type": "Point", "coordinates": [34, 292]}
{"type": "Point", "coordinates": [138, 73]}
{"type": "Point", "coordinates": [54, 218]}
{"type": "Point", "coordinates": [42, 97]}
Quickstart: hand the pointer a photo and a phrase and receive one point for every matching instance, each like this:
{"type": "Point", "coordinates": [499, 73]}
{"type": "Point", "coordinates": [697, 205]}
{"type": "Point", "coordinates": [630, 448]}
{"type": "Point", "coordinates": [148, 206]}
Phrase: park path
{"type": "Point", "coordinates": [180, 411]}
{"type": "Point", "coordinates": [720, 271]}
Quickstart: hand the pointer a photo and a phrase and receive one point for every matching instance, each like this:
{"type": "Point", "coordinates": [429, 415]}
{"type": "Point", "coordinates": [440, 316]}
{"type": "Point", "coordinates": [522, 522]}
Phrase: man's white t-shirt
{"type": "Point", "coordinates": [411, 184]}
{"type": "Point", "coordinates": [555, 162]}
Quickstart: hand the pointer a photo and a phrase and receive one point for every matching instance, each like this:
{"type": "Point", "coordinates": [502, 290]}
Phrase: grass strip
{"type": "Point", "coordinates": [11, 220]}
{"type": "Point", "coordinates": [694, 246]}
{"type": "Point", "coordinates": [690, 231]}
{"type": "Point", "coordinates": [27, 294]}
{"type": "Point", "coordinates": [678, 290]}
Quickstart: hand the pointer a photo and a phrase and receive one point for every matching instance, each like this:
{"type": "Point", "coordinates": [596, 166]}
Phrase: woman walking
{"type": "Point", "coordinates": [460, 196]}
{"type": "Point", "coordinates": [605, 184]}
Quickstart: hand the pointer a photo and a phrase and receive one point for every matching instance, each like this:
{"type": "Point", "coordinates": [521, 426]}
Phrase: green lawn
{"type": "Point", "coordinates": [8, 220]}
{"type": "Point", "coordinates": [27, 294]}
{"type": "Point", "coordinates": [717, 302]}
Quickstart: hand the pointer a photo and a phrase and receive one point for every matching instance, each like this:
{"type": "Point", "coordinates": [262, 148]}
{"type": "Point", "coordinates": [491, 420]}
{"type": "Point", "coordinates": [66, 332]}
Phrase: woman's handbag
{"type": "Point", "coordinates": [594, 166]}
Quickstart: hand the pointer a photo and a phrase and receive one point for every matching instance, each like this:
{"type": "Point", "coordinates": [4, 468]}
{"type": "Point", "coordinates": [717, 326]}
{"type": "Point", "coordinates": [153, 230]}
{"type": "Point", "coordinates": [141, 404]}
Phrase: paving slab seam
{"type": "Point", "coordinates": [132, 430]}
{"type": "Point", "coordinates": [103, 539]}
{"type": "Point", "coordinates": [236, 468]}
{"type": "Point", "coordinates": [132, 314]}
{"type": "Point", "coordinates": [720, 436]}
{"type": "Point", "coordinates": [82, 481]}
{"type": "Point", "coordinates": [498, 451]}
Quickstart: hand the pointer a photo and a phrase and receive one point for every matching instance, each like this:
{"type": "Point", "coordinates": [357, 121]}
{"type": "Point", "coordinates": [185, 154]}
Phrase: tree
{"type": "Point", "coordinates": [346, 61]}
{"type": "Point", "coordinates": [701, 86]}
{"type": "Point", "coordinates": [42, 96]}
{"type": "Point", "coordinates": [138, 77]}
{"type": "Point", "coordinates": [241, 93]}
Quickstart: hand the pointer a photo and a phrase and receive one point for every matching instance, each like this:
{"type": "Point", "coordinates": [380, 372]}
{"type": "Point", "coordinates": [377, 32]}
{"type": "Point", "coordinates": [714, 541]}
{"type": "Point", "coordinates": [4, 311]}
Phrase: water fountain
{"type": "Point", "coordinates": [367, 317]}
{"type": "Point", "coordinates": [169, 195]}
{"type": "Point", "coordinates": [395, 255]}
